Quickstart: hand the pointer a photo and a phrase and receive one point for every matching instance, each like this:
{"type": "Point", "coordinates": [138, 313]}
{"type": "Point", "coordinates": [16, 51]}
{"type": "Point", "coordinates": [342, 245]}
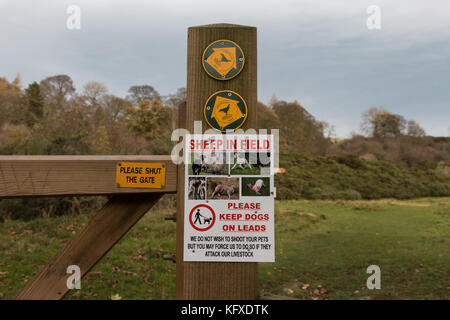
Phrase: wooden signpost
{"type": "Point", "coordinates": [215, 280]}
{"type": "Point", "coordinates": [136, 183]}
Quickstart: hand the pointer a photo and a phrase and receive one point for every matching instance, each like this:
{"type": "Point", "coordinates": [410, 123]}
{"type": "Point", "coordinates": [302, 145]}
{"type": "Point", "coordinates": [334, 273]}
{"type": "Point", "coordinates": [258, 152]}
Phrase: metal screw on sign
{"type": "Point", "coordinates": [223, 60]}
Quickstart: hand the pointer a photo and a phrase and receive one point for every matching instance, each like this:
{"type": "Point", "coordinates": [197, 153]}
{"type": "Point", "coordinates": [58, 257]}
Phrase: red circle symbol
{"type": "Point", "coordinates": [210, 220]}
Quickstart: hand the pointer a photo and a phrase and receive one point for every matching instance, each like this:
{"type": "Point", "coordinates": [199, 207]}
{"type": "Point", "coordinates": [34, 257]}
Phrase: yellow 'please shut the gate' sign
{"type": "Point", "coordinates": [140, 175]}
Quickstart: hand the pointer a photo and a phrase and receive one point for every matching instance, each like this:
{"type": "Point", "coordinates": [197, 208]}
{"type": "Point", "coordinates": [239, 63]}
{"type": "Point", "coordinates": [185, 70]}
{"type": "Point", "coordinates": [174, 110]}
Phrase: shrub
{"type": "Point", "coordinates": [350, 160]}
{"type": "Point", "coordinates": [348, 195]}
{"type": "Point", "coordinates": [348, 177]}
{"type": "Point", "coordinates": [331, 194]}
{"type": "Point", "coordinates": [439, 190]}
{"type": "Point", "coordinates": [284, 193]}
{"type": "Point", "coordinates": [316, 194]}
{"type": "Point", "coordinates": [29, 208]}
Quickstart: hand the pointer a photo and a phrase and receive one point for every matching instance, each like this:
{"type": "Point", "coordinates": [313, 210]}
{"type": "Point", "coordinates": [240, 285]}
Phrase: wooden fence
{"type": "Point", "coordinates": [28, 176]}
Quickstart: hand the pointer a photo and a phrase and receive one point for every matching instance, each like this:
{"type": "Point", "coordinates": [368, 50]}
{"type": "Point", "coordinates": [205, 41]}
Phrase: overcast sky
{"type": "Point", "coordinates": [319, 52]}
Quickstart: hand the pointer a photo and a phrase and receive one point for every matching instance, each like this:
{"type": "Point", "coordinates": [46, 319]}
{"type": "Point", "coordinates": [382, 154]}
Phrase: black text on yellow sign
{"type": "Point", "coordinates": [141, 175]}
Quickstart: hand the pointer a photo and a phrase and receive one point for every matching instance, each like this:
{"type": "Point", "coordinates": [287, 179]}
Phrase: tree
{"type": "Point", "coordinates": [414, 129]}
{"type": "Point", "coordinates": [368, 117]}
{"type": "Point", "coordinates": [388, 125]}
{"type": "Point", "coordinates": [35, 102]}
{"type": "Point", "coordinates": [328, 130]}
{"type": "Point", "coordinates": [142, 92]}
{"type": "Point", "coordinates": [174, 100]}
{"type": "Point", "coordinates": [149, 119]}
{"type": "Point", "coordinates": [55, 91]}
{"type": "Point", "coordinates": [60, 85]}
{"type": "Point", "coordinates": [152, 121]}
{"type": "Point", "coordinates": [115, 108]}
{"type": "Point", "coordinates": [380, 123]}
{"type": "Point", "coordinates": [94, 91]}
{"type": "Point", "coordinates": [14, 138]}
{"type": "Point", "coordinates": [100, 141]}
{"type": "Point", "coordinates": [267, 117]}
{"type": "Point", "coordinates": [299, 130]}
{"type": "Point", "coordinates": [273, 100]}
{"type": "Point", "coordinates": [13, 108]}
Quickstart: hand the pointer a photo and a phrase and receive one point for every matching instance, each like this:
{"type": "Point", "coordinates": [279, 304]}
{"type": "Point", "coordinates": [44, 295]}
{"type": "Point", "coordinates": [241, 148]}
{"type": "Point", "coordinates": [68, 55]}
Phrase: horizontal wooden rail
{"type": "Point", "coordinates": [22, 176]}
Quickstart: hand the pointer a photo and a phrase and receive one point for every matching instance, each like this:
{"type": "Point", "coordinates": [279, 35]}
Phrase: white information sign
{"type": "Point", "coordinates": [229, 198]}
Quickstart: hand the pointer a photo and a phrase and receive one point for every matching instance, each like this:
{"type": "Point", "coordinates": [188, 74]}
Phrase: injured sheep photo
{"type": "Point", "coordinates": [222, 188]}
{"type": "Point", "coordinates": [197, 188]}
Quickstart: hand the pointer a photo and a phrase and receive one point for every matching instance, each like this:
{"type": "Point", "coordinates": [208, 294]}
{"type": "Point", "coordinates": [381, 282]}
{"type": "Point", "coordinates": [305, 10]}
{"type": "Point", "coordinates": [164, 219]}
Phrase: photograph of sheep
{"type": "Point", "coordinates": [222, 188]}
{"type": "Point", "coordinates": [208, 164]}
{"type": "Point", "coordinates": [248, 163]}
{"type": "Point", "coordinates": [197, 188]}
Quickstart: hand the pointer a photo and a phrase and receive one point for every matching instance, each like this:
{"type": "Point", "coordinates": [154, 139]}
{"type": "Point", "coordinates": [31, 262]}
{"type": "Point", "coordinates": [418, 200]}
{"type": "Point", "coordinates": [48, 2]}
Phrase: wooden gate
{"type": "Point", "coordinates": [28, 176]}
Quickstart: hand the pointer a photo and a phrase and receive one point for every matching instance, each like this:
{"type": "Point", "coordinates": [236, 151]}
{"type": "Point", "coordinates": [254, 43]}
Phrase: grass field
{"type": "Point", "coordinates": [322, 251]}
{"type": "Point", "coordinates": [245, 171]}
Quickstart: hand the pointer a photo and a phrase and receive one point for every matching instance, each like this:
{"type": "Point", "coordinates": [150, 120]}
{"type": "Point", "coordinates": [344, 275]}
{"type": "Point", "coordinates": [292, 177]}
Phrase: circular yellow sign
{"type": "Point", "coordinates": [225, 110]}
{"type": "Point", "coordinates": [223, 59]}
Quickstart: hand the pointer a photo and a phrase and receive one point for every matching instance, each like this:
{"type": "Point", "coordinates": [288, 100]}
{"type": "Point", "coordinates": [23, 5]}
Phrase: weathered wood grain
{"type": "Point", "coordinates": [22, 176]}
{"type": "Point", "coordinates": [179, 284]}
{"type": "Point", "coordinates": [214, 280]}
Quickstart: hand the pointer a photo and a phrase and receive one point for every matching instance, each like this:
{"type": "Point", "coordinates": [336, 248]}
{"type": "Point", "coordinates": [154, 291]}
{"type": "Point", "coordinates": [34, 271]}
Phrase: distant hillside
{"type": "Point", "coordinates": [350, 177]}
{"type": "Point", "coordinates": [428, 152]}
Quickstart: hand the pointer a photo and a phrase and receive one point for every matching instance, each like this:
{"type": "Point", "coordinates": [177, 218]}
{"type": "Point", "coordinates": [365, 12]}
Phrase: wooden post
{"type": "Point", "coordinates": [214, 280]}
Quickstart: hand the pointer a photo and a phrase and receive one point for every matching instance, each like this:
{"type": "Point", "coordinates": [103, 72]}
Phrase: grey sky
{"type": "Point", "coordinates": [319, 52]}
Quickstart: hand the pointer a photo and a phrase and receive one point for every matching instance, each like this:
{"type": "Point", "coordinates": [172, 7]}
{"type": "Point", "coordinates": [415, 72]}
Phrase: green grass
{"type": "Point", "coordinates": [245, 171]}
{"type": "Point", "coordinates": [322, 251]}
{"type": "Point", "coordinates": [247, 192]}
{"type": "Point", "coordinates": [348, 177]}
{"type": "Point", "coordinates": [328, 245]}
{"type": "Point", "coordinates": [134, 268]}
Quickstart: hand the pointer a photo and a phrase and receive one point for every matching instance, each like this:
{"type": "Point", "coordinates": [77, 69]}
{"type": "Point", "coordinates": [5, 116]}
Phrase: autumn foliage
{"type": "Point", "coordinates": [51, 117]}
